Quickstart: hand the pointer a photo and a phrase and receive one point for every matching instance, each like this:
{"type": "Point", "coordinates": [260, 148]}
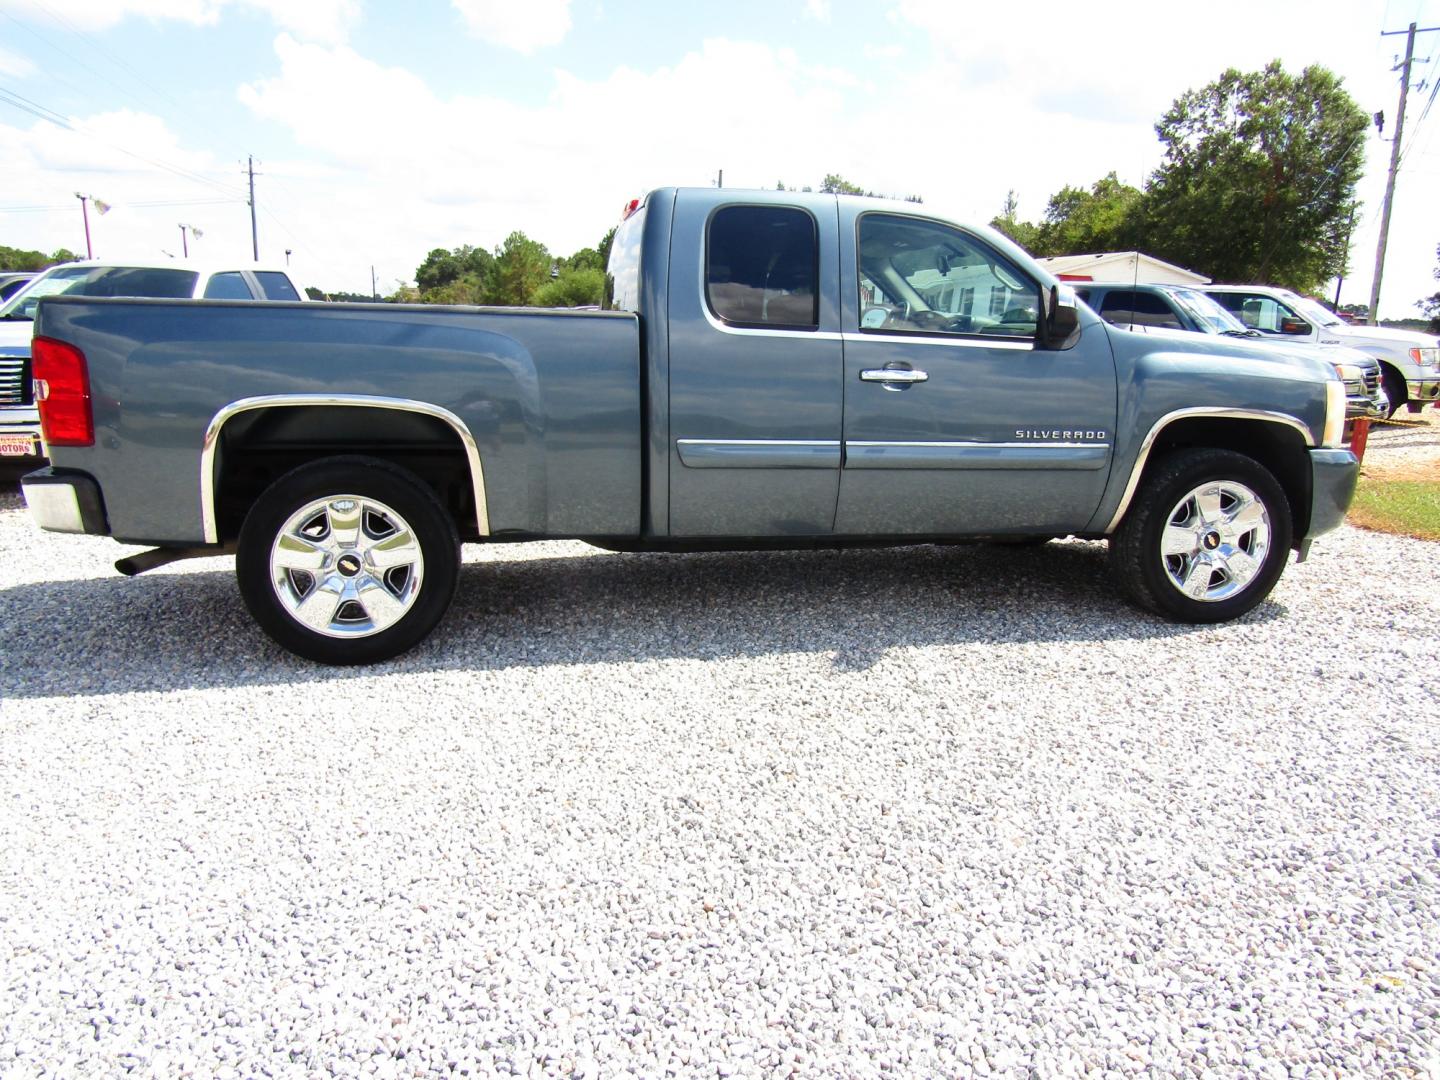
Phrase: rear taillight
{"type": "Point", "coordinates": [62, 392]}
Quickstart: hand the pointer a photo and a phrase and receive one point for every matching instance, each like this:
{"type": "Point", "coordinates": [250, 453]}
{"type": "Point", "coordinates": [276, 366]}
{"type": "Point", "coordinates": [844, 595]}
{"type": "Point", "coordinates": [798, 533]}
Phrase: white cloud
{"type": "Point", "coordinates": [524, 27]}
{"type": "Point", "coordinates": [320, 20]}
{"type": "Point", "coordinates": [819, 10]}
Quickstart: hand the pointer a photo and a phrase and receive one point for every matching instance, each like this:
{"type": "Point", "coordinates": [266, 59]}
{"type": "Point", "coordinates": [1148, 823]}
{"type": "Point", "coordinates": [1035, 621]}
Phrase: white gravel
{"type": "Point", "coordinates": [930, 812]}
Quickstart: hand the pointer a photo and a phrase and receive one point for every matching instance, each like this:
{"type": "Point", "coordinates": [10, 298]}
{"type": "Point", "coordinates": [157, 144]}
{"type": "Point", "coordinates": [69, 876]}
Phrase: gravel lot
{"type": "Point", "coordinates": [927, 812]}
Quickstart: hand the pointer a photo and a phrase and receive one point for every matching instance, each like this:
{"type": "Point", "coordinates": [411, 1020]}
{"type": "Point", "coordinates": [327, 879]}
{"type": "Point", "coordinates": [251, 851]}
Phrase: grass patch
{"type": "Point", "coordinates": [1402, 507]}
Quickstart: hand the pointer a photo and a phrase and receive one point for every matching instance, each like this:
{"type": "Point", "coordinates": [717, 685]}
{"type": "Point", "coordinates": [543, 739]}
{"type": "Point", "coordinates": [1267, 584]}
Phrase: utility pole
{"type": "Point", "coordinates": [1404, 69]}
{"type": "Point", "coordinates": [85, 213]}
{"type": "Point", "coordinates": [720, 180]}
{"type": "Point", "coordinates": [374, 293]}
{"type": "Point", "coordinates": [184, 240]}
{"type": "Point", "coordinates": [254, 229]}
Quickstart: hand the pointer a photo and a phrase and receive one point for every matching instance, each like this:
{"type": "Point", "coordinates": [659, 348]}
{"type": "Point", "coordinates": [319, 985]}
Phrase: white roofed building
{"type": "Point", "coordinates": [1117, 266]}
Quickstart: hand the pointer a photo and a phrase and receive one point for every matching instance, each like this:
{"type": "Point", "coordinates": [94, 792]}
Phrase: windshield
{"type": "Point", "coordinates": [101, 281]}
{"type": "Point", "coordinates": [1315, 312]}
{"type": "Point", "coordinates": [1213, 318]}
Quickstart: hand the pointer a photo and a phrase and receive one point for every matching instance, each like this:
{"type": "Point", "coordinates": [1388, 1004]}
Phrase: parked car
{"type": "Point", "coordinates": [19, 419]}
{"type": "Point", "coordinates": [1177, 308]}
{"type": "Point", "coordinates": [1410, 361]}
{"type": "Point", "coordinates": [12, 282]}
{"type": "Point", "coordinates": [738, 392]}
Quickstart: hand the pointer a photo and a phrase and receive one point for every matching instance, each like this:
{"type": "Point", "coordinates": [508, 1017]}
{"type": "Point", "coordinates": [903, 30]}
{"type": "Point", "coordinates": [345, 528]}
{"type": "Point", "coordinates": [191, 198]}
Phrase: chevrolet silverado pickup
{"type": "Point", "coordinates": [771, 369]}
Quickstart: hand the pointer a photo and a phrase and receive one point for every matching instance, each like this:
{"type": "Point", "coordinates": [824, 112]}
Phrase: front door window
{"type": "Point", "coordinates": [920, 277]}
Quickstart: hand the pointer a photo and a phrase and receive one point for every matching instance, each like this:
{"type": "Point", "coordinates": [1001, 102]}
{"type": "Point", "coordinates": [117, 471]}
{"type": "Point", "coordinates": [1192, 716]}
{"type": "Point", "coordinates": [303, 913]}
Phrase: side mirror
{"type": "Point", "coordinates": [1060, 325]}
{"type": "Point", "coordinates": [1294, 327]}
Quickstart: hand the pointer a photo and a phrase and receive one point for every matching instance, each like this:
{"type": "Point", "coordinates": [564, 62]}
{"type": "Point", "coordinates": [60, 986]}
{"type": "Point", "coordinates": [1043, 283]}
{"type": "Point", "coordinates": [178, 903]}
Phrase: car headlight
{"type": "Point", "coordinates": [1350, 372]}
{"type": "Point", "coordinates": [1334, 433]}
{"type": "Point", "coordinates": [1426, 358]}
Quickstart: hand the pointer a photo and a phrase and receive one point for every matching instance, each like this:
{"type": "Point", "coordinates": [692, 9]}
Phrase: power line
{"type": "Point", "coordinates": [34, 108]}
{"type": "Point", "coordinates": [71, 57]}
{"type": "Point", "coordinates": [118, 61]}
{"type": "Point", "coordinates": [120, 206]}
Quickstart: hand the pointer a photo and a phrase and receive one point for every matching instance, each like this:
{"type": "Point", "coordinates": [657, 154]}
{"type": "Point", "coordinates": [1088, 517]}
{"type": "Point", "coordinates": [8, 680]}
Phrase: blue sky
{"type": "Point", "coordinates": [383, 131]}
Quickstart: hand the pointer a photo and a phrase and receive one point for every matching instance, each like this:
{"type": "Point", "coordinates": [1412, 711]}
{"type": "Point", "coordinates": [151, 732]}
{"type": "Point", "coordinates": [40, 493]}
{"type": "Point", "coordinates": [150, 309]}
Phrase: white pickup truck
{"type": "Point", "coordinates": [1409, 361]}
{"type": "Point", "coordinates": [172, 280]}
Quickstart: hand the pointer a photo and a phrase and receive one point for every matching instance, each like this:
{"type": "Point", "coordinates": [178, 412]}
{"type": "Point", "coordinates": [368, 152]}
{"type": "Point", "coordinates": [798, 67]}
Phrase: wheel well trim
{"type": "Point", "coordinates": [211, 445]}
{"type": "Point", "coordinates": [1165, 421]}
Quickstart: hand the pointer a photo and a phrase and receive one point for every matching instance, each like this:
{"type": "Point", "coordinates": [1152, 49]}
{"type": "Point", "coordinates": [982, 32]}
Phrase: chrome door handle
{"type": "Point", "coordinates": [894, 375]}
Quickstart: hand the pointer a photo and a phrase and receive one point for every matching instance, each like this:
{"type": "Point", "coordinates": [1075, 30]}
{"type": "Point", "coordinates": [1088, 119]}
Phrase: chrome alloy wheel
{"type": "Point", "coordinates": [346, 566]}
{"type": "Point", "coordinates": [1215, 540]}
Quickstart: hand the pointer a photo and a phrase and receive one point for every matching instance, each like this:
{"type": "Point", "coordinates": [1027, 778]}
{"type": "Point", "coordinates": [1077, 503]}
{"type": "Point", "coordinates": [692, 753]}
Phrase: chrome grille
{"type": "Point", "coordinates": [1372, 382]}
{"type": "Point", "coordinates": [15, 380]}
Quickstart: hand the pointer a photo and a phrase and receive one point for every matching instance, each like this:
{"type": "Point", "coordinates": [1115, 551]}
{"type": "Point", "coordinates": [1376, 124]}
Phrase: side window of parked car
{"type": "Point", "coordinates": [228, 286]}
{"type": "Point", "coordinates": [921, 277]}
{"type": "Point", "coordinates": [1261, 313]}
{"type": "Point", "coordinates": [1128, 307]}
{"type": "Point", "coordinates": [275, 285]}
{"type": "Point", "coordinates": [762, 267]}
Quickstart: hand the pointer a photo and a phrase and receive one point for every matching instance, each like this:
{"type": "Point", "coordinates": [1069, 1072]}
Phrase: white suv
{"type": "Point", "coordinates": [173, 279]}
{"type": "Point", "coordinates": [1409, 361]}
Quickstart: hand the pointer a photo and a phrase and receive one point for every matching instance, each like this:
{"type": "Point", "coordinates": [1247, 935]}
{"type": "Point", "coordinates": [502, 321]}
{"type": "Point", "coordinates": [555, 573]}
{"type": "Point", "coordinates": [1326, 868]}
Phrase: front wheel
{"type": "Point", "coordinates": [1206, 538]}
{"type": "Point", "coordinates": [348, 560]}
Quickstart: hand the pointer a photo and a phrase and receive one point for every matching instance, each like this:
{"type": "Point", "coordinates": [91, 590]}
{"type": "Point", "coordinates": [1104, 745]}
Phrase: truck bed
{"type": "Point", "coordinates": [551, 399]}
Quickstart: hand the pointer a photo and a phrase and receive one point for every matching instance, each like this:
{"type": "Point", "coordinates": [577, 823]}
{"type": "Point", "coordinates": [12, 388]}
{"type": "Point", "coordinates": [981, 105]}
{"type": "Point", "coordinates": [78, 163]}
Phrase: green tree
{"type": "Point", "coordinates": [1258, 178]}
{"type": "Point", "coordinates": [21, 259]}
{"type": "Point", "coordinates": [834, 184]}
{"type": "Point", "coordinates": [606, 242]}
{"type": "Point", "coordinates": [442, 267]}
{"type": "Point", "coordinates": [584, 259]}
{"type": "Point", "coordinates": [520, 267]}
{"type": "Point", "coordinates": [1077, 221]}
{"type": "Point", "coordinates": [314, 293]}
{"type": "Point", "coordinates": [573, 288]}
{"type": "Point", "coordinates": [1022, 232]}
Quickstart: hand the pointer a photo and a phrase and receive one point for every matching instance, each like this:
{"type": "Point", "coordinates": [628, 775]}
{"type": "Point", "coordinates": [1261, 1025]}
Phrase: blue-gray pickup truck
{"type": "Point", "coordinates": [771, 369]}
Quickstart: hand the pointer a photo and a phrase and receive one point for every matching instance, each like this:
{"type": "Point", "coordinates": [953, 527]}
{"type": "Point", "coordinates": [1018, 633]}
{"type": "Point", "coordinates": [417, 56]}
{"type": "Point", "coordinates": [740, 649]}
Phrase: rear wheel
{"type": "Point", "coordinates": [348, 560]}
{"type": "Point", "coordinates": [1206, 538]}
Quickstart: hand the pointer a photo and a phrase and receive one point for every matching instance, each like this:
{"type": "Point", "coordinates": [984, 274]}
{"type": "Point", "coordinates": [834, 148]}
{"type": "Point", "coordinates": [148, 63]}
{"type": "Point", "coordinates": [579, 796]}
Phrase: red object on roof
{"type": "Point", "coordinates": [1075, 277]}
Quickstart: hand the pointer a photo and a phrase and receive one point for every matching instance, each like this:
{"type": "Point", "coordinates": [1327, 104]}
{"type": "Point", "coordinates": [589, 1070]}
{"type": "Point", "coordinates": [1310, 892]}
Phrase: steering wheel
{"type": "Point", "coordinates": [939, 320]}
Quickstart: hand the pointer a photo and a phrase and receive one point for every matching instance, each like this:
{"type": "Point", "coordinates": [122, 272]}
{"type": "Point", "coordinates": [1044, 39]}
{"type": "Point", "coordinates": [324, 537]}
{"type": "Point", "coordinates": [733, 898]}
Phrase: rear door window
{"type": "Point", "coordinates": [228, 286]}
{"type": "Point", "coordinates": [275, 285]}
{"type": "Point", "coordinates": [1127, 307]}
{"type": "Point", "coordinates": [762, 267]}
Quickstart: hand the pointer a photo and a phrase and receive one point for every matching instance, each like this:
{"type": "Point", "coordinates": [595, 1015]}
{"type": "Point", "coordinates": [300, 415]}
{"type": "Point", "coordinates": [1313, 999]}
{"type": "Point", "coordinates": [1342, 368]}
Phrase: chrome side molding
{"type": "Point", "coordinates": [217, 423]}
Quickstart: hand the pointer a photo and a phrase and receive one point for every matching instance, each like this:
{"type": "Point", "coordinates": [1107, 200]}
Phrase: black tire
{"type": "Point", "coordinates": [1149, 578]}
{"type": "Point", "coordinates": [1394, 384]}
{"type": "Point", "coordinates": [419, 590]}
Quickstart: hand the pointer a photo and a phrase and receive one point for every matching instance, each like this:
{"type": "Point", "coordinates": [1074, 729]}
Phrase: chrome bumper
{"type": "Point", "coordinates": [1423, 390]}
{"type": "Point", "coordinates": [22, 420]}
{"type": "Point", "coordinates": [64, 502]}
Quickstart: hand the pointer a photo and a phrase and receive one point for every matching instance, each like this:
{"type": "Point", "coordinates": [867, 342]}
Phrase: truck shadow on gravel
{"type": "Point", "coordinates": [182, 631]}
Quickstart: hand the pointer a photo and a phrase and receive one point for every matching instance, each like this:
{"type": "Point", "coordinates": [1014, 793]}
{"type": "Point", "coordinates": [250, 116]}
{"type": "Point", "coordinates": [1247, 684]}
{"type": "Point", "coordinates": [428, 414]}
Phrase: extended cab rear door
{"type": "Point", "coordinates": [755, 366]}
{"type": "Point", "coordinates": [955, 421]}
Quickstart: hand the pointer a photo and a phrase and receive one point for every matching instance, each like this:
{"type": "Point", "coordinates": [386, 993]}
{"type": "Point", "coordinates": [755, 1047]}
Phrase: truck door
{"type": "Point", "coordinates": [954, 421]}
{"type": "Point", "coordinates": [755, 367]}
